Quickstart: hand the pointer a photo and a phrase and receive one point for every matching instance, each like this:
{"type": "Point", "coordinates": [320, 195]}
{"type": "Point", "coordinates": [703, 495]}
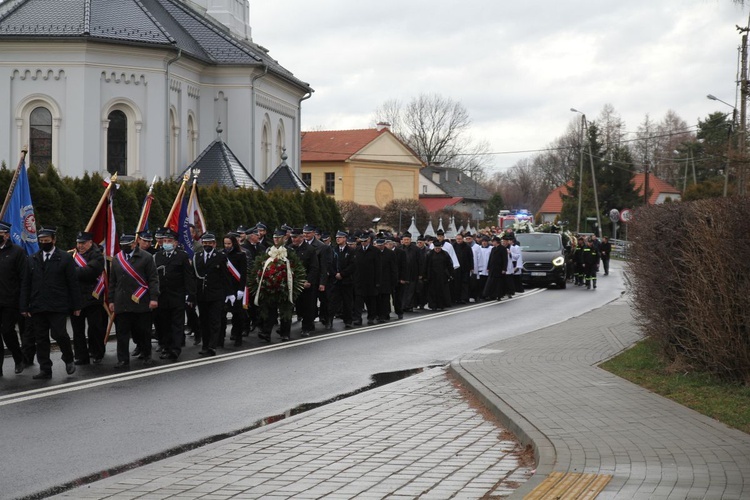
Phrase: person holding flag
{"type": "Point", "coordinates": [12, 269]}
{"type": "Point", "coordinates": [90, 273]}
{"type": "Point", "coordinates": [133, 294]}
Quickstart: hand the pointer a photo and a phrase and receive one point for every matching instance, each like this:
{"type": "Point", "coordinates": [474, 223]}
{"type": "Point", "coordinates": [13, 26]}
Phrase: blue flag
{"type": "Point", "coordinates": [21, 214]}
{"type": "Point", "coordinates": [183, 231]}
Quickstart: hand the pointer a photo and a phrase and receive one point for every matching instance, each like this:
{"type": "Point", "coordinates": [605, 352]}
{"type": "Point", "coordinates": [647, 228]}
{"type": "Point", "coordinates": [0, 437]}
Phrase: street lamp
{"type": "Point", "coordinates": [584, 123]}
{"type": "Point", "coordinates": [741, 140]}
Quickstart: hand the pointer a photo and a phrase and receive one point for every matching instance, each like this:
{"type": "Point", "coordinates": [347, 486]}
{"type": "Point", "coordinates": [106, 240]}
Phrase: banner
{"type": "Point", "coordinates": [20, 214]}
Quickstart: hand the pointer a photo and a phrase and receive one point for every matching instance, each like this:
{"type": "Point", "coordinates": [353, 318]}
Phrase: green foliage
{"type": "Point", "coordinates": [402, 210]}
{"type": "Point", "coordinates": [69, 203]}
{"type": "Point", "coordinates": [492, 209]}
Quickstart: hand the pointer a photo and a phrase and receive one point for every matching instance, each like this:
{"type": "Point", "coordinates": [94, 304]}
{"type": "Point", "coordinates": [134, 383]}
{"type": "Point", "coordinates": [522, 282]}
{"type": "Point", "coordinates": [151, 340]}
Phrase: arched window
{"type": "Point", "coordinates": [280, 144]}
{"type": "Point", "coordinates": [191, 136]}
{"type": "Point", "coordinates": [174, 146]}
{"type": "Point", "coordinates": [117, 143]}
{"type": "Point", "coordinates": [40, 138]}
{"type": "Point", "coordinates": [265, 151]}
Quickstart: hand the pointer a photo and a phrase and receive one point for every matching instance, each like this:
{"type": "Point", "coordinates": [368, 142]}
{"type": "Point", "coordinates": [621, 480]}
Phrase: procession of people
{"type": "Point", "coordinates": [158, 294]}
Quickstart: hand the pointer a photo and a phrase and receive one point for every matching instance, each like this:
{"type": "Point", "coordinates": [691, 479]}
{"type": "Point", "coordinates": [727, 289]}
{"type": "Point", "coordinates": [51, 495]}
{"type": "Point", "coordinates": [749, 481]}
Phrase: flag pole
{"type": "Point", "coordinates": [181, 192]}
{"type": "Point", "coordinates": [112, 181]}
{"type": "Point", "coordinates": [139, 227]}
{"type": "Point", "coordinates": [13, 182]}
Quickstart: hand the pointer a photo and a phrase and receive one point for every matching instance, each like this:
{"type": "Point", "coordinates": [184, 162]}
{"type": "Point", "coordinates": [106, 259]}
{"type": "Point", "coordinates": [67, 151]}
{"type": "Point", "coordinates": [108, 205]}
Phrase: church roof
{"type": "Point", "coordinates": [218, 165]}
{"type": "Point", "coordinates": [158, 23]}
{"type": "Point", "coordinates": [285, 178]}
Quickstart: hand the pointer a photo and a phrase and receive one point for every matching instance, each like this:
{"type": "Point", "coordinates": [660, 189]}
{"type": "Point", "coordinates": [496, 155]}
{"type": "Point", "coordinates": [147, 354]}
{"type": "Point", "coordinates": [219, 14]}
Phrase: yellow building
{"type": "Point", "coordinates": [367, 166]}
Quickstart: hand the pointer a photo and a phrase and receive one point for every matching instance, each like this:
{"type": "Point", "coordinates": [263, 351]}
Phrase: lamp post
{"type": "Point", "coordinates": [584, 123]}
{"type": "Point", "coordinates": [741, 140]}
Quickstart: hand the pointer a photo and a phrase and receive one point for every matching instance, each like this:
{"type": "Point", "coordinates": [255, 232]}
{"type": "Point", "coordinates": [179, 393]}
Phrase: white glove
{"type": "Point", "coordinates": [231, 299]}
{"type": "Point", "coordinates": [240, 294]}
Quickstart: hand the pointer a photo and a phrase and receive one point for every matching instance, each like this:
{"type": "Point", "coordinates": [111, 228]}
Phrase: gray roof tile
{"type": "Point", "coordinates": [285, 178]}
{"type": "Point", "coordinates": [218, 165]}
{"type": "Point", "coordinates": [457, 184]}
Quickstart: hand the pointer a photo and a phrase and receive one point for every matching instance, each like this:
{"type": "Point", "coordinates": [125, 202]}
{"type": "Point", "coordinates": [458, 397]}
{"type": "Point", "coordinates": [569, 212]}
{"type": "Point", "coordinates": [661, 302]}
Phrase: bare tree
{"type": "Point", "coordinates": [437, 129]}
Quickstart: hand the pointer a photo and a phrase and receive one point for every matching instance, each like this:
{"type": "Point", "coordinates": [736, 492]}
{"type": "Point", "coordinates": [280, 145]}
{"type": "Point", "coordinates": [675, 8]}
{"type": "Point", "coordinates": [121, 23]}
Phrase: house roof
{"type": "Point", "coordinates": [336, 145]}
{"type": "Point", "coordinates": [655, 185]}
{"type": "Point", "coordinates": [554, 202]}
{"type": "Point", "coordinates": [438, 203]}
{"type": "Point", "coordinates": [456, 183]}
{"type": "Point", "coordinates": [170, 24]}
{"type": "Point", "coordinates": [219, 165]}
{"type": "Point", "coordinates": [285, 178]}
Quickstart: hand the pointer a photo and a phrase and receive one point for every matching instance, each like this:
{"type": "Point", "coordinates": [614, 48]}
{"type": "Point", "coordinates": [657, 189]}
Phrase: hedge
{"type": "Point", "coordinates": [68, 203]}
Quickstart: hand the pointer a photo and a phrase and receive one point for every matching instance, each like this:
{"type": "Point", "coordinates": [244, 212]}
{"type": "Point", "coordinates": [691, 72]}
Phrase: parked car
{"type": "Point", "coordinates": [543, 259]}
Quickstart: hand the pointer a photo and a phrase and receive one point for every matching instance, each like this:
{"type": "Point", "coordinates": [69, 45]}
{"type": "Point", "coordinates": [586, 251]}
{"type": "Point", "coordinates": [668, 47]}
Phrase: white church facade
{"type": "Point", "coordinates": [139, 87]}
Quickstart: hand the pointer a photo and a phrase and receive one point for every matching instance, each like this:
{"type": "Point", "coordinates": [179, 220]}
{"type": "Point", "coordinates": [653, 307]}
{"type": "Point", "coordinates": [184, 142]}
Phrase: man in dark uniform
{"type": "Point", "coordinates": [254, 247]}
{"type": "Point", "coordinates": [388, 279]}
{"type": "Point", "coordinates": [590, 259]}
{"type": "Point", "coordinates": [133, 294]}
{"type": "Point", "coordinates": [49, 292]}
{"type": "Point", "coordinates": [438, 275]}
{"type": "Point", "coordinates": [214, 289]}
{"type": "Point", "coordinates": [263, 236]}
{"type": "Point", "coordinates": [12, 269]}
{"type": "Point", "coordinates": [342, 289]}
{"type": "Point", "coordinates": [463, 273]}
{"type": "Point", "coordinates": [177, 289]}
{"type": "Point", "coordinates": [89, 268]}
{"type": "Point", "coordinates": [307, 299]}
{"type": "Point", "coordinates": [366, 280]}
{"type": "Point", "coordinates": [146, 242]}
{"type": "Point", "coordinates": [497, 267]}
{"type": "Point", "coordinates": [410, 272]}
{"type": "Point", "coordinates": [605, 249]}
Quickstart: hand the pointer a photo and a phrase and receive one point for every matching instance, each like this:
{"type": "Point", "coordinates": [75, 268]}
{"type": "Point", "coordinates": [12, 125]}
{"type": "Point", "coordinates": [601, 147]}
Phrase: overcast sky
{"type": "Point", "coordinates": [517, 66]}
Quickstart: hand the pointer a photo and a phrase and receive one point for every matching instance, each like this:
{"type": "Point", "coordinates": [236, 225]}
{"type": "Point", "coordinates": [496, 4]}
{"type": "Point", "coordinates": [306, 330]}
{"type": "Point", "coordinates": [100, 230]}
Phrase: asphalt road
{"type": "Point", "coordinates": [56, 432]}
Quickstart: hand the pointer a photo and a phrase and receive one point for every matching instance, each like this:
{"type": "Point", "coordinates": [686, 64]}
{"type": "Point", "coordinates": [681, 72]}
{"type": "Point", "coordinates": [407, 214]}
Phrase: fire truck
{"type": "Point", "coordinates": [506, 219]}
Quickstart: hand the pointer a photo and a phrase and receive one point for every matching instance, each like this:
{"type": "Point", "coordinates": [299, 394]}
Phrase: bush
{"type": "Point", "coordinates": [690, 277]}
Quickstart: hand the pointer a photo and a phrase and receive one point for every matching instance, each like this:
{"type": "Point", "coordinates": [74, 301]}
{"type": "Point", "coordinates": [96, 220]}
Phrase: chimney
{"type": "Point", "coordinates": [381, 125]}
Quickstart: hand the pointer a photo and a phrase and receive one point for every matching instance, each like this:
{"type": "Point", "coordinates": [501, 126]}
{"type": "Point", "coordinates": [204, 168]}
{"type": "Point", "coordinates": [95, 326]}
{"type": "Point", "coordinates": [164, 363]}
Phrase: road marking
{"type": "Point", "coordinates": [79, 385]}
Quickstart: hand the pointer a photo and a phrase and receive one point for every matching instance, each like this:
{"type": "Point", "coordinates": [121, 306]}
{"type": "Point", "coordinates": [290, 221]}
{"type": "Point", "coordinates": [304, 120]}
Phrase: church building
{"type": "Point", "coordinates": [140, 87]}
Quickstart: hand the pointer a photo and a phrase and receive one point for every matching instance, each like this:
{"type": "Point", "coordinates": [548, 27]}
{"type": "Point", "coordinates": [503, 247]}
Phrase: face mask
{"type": "Point", "coordinates": [168, 247]}
{"type": "Point", "coordinates": [46, 247]}
{"type": "Point", "coordinates": [126, 248]}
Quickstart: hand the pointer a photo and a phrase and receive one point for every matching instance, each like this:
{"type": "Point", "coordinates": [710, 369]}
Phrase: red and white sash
{"type": "Point", "coordinates": [233, 271]}
{"type": "Point", "coordinates": [101, 283]}
{"type": "Point", "coordinates": [142, 285]}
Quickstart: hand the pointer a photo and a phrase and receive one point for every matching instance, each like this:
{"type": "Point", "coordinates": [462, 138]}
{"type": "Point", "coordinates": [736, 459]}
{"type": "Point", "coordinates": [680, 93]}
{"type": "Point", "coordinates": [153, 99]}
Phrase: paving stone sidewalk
{"type": "Point", "coordinates": [416, 438]}
{"type": "Point", "coordinates": [545, 386]}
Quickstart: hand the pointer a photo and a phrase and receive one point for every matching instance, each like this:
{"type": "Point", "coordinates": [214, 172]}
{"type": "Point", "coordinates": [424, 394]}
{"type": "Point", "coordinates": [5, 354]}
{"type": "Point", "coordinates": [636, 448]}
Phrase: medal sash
{"type": "Point", "coordinates": [142, 285]}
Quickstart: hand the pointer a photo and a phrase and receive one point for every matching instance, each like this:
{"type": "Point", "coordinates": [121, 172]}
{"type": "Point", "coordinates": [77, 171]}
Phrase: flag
{"type": "Point", "coordinates": [103, 227]}
{"type": "Point", "coordinates": [184, 237]}
{"type": "Point", "coordinates": [20, 214]}
{"type": "Point", "coordinates": [143, 220]}
{"type": "Point", "coordinates": [174, 219]}
{"type": "Point", "coordinates": [195, 214]}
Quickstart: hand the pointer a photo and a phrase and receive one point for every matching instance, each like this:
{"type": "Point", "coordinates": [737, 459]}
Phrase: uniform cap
{"type": "Point", "coordinates": [440, 232]}
{"type": "Point", "coordinates": [325, 236]}
{"type": "Point", "coordinates": [5, 226]}
{"type": "Point", "coordinates": [406, 234]}
{"type": "Point", "coordinates": [341, 234]}
{"type": "Point", "coordinates": [47, 231]}
{"type": "Point", "coordinates": [296, 231]}
{"type": "Point", "coordinates": [308, 228]}
{"type": "Point", "coordinates": [146, 236]}
{"type": "Point", "coordinates": [351, 239]}
{"type": "Point", "coordinates": [279, 233]}
{"type": "Point", "coordinates": [127, 239]}
{"type": "Point", "coordinates": [84, 236]}
{"type": "Point", "coordinates": [380, 241]}
{"type": "Point", "coordinates": [262, 226]}
{"type": "Point", "coordinates": [168, 233]}
{"type": "Point", "coordinates": [208, 237]}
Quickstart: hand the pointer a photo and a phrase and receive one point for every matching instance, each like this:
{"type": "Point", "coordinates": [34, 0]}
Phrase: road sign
{"type": "Point", "coordinates": [626, 215]}
{"type": "Point", "coordinates": [614, 215]}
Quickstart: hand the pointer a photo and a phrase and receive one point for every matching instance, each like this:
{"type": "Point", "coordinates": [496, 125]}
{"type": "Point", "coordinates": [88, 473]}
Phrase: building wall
{"type": "Point", "coordinates": [81, 82]}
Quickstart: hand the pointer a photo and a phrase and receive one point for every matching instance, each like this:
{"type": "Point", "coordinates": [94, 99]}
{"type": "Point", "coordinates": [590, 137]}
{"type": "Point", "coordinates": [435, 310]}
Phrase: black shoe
{"type": "Point", "coordinates": [370, 322]}
{"type": "Point", "coordinates": [28, 364]}
{"type": "Point", "coordinates": [285, 338]}
{"type": "Point", "coordinates": [197, 341]}
{"type": "Point", "coordinates": [42, 376]}
{"type": "Point", "coordinates": [122, 365]}
{"type": "Point", "coordinates": [147, 362]}
{"type": "Point", "coordinates": [400, 316]}
{"type": "Point", "coordinates": [79, 362]}
{"type": "Point", "coordinates": [329, 325]}
{"type": "Point", "coordinates": [348, 325]}
{"type": "Point", "coordinates": [164, 354]}
{"type": "Point", "coordinates": [207, 352]}
{"type": "Point", "coordinates": [357, 323]}
{"type": "Point", "coordinates": [70, 368]}
{"type": "Point", "coordinates": [264, 338]}
{"type": "Point", "coordinates": [304, 333]}
{"type": "Point", "coordinates": [136, 352]}
{"type": "Point", "coordinates": [19, 367]}
{"type": "Point", "coordinates": [97, 361]}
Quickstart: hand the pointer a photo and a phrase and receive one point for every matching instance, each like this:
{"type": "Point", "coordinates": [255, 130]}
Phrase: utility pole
{"type": "Point", "coordinates": [743, 113]}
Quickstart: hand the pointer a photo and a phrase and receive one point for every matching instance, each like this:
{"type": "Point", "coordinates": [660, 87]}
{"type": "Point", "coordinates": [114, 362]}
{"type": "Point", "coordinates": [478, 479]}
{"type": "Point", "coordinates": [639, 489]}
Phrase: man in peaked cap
{"type": "Point", "coordinates": [342, 288]}
{"type": "Point", "coordinates": [146, 242]}
{"type": "Point", "coordinates": [214, 288]}
{"type": "Point", "coordinates": [133, 294]}
{"type": "Point", "coordinates": [89, 268]}
{"type": "Point", "coordinates": [49, 291]}
{"type": "Point", "coordinates": [307, 301]}
{"type": "Point", "coordinates": [12, 269]}
{"type": "Point", "coordinates": [366, 280]}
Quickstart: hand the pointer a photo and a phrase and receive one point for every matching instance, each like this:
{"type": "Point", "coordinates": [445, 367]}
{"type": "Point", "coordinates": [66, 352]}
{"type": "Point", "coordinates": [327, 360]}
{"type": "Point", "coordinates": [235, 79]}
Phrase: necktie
{"type": "Point", "coordinates": [46, 257]}
{"type": "Point", "coordinates": [127, 257]}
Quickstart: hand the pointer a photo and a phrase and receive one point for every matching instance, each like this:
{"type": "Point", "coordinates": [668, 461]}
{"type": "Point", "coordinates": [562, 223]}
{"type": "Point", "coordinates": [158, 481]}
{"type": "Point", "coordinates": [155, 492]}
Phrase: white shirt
{"type": "Point", "coordinates": [517, 256]}
{"type": "Point", "coordinates": [481, 258]}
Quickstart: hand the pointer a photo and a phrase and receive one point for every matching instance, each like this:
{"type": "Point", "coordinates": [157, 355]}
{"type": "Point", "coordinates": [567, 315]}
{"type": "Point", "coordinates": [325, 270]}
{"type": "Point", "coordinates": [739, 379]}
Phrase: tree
{"type": "Point", "coordinates": [398, 213]}
{"type": "Point", "coordinates": [437, 129]}
{"type": "Point", "coordinates": [492, 208]}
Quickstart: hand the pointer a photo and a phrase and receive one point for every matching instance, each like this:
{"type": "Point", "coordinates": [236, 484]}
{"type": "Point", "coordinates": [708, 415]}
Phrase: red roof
{"type": "Point", "coordinates": [554, 202]}
{"type": "Point", "coordinates": [336, 145]}
{"type": "Point", "coordinates": [434, 204]}
{"type": "Point", "coordinates": [655, 185]}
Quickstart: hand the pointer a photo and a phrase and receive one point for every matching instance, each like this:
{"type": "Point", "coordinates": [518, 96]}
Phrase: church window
{"type": "Point", "coordinates": [40, 138]}
{"type": "Point", "coordinates": [117, 143]}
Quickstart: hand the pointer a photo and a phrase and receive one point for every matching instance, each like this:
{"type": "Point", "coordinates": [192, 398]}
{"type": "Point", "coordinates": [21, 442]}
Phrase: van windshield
{"type": "Point", "coordinates": [539, 242]}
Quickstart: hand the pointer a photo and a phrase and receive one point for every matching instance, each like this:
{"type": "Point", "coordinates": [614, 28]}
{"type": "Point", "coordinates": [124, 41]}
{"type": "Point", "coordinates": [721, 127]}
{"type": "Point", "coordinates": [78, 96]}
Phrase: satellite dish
{"type": "Point", "coordinates": [614, 215]}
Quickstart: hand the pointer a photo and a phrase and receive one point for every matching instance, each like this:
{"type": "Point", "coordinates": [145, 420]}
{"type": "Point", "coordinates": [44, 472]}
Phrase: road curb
{"type": "Point", "coordinates": [527, 434]}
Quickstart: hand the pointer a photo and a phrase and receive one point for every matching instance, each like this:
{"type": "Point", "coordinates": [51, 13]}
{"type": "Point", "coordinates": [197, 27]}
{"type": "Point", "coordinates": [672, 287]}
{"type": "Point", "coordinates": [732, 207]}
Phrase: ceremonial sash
{"type": "Point", "coordinates": [142, 285]}
{"type": "Point", "coordinates": [101, 284]}
{"type": "Point", "coordinates": [233, 271]}
{"type": "Point", "coordinates": [79, 259]}
{"type": "Point", "coordinates": [246, 299]}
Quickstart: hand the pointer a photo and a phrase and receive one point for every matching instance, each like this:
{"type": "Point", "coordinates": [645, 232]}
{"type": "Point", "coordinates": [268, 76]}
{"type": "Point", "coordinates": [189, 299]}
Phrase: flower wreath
{"type": "Point", "coordinates": [277, 277]}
